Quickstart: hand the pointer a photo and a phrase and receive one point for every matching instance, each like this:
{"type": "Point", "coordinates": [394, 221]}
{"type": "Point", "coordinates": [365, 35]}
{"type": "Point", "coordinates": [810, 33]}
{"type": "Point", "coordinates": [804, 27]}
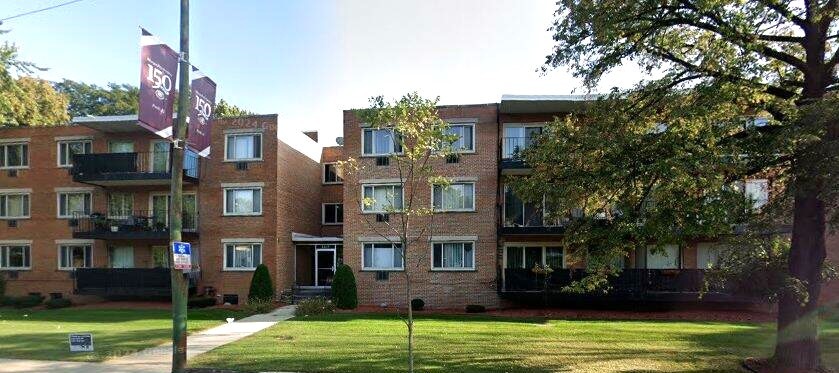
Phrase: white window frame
{"type": "Point", "coordinates": [389, 269]}
{"type": "Point", "coordinates": [543, 245]}
{"type": "Point", "coordinates": [375, 153]}
{"type": "Point", "coordinates": [323, 174]}
{"type": "Point", "coordinates": [62, 246]}
{"type": "Point", "coordinates": [60, 162]}
{"type": "Point", "coordinates": [474, 197]}
{"type": "Point", "coordinates": [130, 211]}
{"type": "Point", "coordinates": [4, 147]}
{"type": "Point", "coordinates": [649, 251]}
{"type": "Point", "coordinates": [505, 151]}
{"type": "Point", "coordinates": [4, 251]}
{"type": "Point", "coordinates": [323, 213]}
{"type": "Point", "coordinates": [58, 202]}
{"type": "Point", "coordinates": [474, 141]}
{"type": "Point", "coordinates": [251, 243]}
{"type": "Point", "coordinates": [455, 269]}
{"type": "Point", "coordinates": [224, 200]}
{"type": "Point", "coordinates": [227, 137]}
{"type": "Point", "coordinates": [395, 210]}
{"type": "Point", "coordinates": [17, 192]}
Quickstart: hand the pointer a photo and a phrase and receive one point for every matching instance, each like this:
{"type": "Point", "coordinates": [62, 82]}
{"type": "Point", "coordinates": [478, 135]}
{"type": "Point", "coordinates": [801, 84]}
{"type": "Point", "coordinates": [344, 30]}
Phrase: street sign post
{"type": "Point", "coordinates": [182, 255]}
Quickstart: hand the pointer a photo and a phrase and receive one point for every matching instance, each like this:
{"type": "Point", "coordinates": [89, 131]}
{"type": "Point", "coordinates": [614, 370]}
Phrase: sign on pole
{"type": "Point", "coordinates": [203, 97]}
{"type": "Point", "coordinates": [81, 342]}
{"type": "Point", "coordinates": [182, 255]}
{"type": "Point", "coordinates": [158, 73]}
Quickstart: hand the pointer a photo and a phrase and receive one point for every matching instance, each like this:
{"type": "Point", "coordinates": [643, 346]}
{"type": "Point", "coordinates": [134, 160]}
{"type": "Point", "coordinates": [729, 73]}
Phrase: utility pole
{"type": "Point", "coordinates": [179, 133]}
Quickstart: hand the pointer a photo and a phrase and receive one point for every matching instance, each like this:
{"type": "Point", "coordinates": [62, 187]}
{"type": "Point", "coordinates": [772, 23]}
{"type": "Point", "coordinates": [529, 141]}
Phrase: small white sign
{"type": "Point", "coordinates": [81, 342]}
{"type": "Point", "coordinates": [182, 253]}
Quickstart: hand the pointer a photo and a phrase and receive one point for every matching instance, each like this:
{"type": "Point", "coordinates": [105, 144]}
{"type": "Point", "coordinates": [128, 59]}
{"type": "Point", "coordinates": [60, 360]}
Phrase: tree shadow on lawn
{"type": "Point", "coordinates": [625, 346]}
{"type": "Point", "coordinates": [55, 345]}
{"type": "Point", "coordinates": [93, 316]}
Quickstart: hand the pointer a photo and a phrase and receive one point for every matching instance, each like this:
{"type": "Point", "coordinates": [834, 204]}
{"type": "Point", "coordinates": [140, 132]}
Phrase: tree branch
{"type": "Point", "coordinates": [785, 12]}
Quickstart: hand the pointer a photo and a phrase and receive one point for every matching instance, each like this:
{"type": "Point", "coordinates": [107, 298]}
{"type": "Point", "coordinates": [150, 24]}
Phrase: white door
{"type": "Point", "coordinates": [324, 266]}
{"type": "Point", "coordinates": [159, 156]}
{"type": "Point", "coordinates": [121, 256]}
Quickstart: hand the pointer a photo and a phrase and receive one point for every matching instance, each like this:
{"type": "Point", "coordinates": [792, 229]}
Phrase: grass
{"type": "Point", "coordinates": [375, 343]}
{"type": "Point", "coordinates": [43, 334]}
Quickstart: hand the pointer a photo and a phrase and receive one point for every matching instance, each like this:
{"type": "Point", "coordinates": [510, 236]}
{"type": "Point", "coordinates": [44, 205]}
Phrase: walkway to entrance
{"type": "Point", "coordinates": [157, 359]}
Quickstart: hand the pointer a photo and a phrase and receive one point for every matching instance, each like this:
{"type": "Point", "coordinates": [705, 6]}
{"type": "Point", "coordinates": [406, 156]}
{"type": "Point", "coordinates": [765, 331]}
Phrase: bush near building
{"type": "Point", "coordinates": [344, 291]}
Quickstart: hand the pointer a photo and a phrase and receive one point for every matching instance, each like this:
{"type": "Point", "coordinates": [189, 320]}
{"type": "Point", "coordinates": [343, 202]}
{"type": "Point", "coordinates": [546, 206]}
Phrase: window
{"type": "Point", "coordinates": [757, 190]}
{"type": "Point", "coordinates": [333, 213]}
{"type": "Point", "coordinates": [518, 137]}
{"type": "Point", "coordinates": [242, 256]}
{"type": "Point", "coordinates": [332, 174]}
{"type": "Point", "coordinates": [518, 213]}
{"type": "Point", "coordinates": [382, 256]}
{"type": "Point", "coordinates": [382, 198]}
{"type": "Point", "coordinates": [14, 256]}
{"type": "Point", "coordinates": [380, 142]}
{"type": "Point", "coordinates": [74, 256]}
{"type": "Point", "coordinates": [121, 146]}
{"type": "Point", "coordinates": [529, 256]}
{"type": "Point", "coordinates": [666, 257]}
{"type": "Point", "coordinates": [14, 205]}
{"type": "Point", "coordinates": [453, 255]}
{"type": "Point", "coordinates": [70, 203]}
{"type": "Point", "coordinates": [454, 197]}
{"type": "Point", "coordinates": [708, 255]}
{"type": "Point", "coordinates": [120, 204]}
{"type": "Point", "coordinates": [242, 201]}
{"type": "Point", "coordinates": [67, 149]}
{"type": "Point", "coordinates": [243, 147]}
{"type": "Point", "coordinates": [14, 155]}
{"type": "Point", "coordinates": [465, 137]}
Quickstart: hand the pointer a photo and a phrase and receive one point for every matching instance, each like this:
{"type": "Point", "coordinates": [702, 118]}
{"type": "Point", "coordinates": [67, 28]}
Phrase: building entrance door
{"type": "Point", "coordinates": [324, 266]}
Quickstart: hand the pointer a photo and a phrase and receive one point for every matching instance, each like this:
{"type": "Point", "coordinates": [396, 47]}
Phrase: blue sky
{"type": "Point", "coordinates": [309, 60]}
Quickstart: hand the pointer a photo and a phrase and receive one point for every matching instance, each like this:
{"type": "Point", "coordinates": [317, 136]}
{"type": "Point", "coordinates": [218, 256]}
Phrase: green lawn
{"type": "Point", "coordinates": [42, 334]}
{"type": "Point", "coordinates": [375, 343]}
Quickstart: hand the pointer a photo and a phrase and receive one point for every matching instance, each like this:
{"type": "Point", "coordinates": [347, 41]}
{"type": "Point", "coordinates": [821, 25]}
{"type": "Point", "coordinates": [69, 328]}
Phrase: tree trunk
{"type": "Point", "coordinates": [797, 345]}
{"type": "Point", "coordinates": [410, 322]}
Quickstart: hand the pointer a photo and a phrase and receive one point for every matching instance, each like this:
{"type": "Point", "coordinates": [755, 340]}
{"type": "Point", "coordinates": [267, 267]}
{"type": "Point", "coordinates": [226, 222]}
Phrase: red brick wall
{"type": "Point", "coordinates": [438, 289]}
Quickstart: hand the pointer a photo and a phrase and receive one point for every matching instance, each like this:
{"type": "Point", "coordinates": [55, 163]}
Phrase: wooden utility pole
{"type": "Point", "coordinates": [179, 133]}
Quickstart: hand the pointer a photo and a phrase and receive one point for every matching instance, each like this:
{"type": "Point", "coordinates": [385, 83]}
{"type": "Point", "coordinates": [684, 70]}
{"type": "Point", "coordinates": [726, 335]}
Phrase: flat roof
{"type": "Point", "coordinates": [543, 104]}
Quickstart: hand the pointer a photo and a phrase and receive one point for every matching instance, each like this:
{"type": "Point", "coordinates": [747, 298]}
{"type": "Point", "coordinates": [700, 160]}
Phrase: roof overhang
{"type": "Point", "coordinates": [111, 124]}
{"type": "Point", "coordinates": [302, 237]}
{"type": "Point", "coordinates": [545, 104]}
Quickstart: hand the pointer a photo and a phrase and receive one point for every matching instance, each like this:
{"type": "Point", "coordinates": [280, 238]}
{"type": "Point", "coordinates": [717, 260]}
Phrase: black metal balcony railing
{"type": "Point", "coordinates": [129, 224]}
{"type": "Point", "coordinates": [512, 147]}
{"type": "Point", "coordinates": [125, 282]}
{"type": "Point", "coordinates": [629, 282]}
{"type": "Point", "coordinates": [153, 164]}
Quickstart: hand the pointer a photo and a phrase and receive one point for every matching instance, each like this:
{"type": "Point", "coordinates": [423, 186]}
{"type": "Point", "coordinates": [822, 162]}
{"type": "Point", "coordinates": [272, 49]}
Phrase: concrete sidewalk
{"type": "Point", "coordinates": [157, 359]}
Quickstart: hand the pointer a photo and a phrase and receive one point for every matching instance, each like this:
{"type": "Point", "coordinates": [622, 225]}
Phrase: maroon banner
{"type": "Point", "coordinates": [202, 108]}
{"type": "Point", "coordinates": [158, 74]}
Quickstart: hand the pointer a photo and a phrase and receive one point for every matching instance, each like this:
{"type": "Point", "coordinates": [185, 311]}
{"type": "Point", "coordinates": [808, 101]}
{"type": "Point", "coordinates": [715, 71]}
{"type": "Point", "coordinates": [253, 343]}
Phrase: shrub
{"type": "Point", "coordinates": [58, 303]}
{"type": "Point", "coordinates": [417, 304]}
{"type": "Point", "coordinates": [6, 301]}
{"type": "Point", "coordinates": [201, 302]}
{"type": "Point", "coordinates": [2, 286]}
{"type": "Point", "coordinates": [344, 292]}
{"type": "Point", "coordinates": [475, 308]}
{"type": "Point", "coordinates": [258, 306]}
{"type": "Point", "coordinates": [314, 306]}
{"type": "Point", "coordinates": [261, 286]}
{"type": "Point", "coordinates": [28, 301]}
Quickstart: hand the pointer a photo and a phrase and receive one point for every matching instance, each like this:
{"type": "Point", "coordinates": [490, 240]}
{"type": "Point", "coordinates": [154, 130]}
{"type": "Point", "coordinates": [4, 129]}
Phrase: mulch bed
{"type": "Point", "coordinates": [560, 313]}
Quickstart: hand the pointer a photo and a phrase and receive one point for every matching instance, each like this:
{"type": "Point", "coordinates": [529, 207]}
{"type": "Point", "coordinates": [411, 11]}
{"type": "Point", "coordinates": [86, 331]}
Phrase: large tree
{"type": "Point", "coordinates": [91, 99]}
{"type": "Point", "coordinates": [26, 100]}
{"type": "Point", "coordinates": [711, 64]}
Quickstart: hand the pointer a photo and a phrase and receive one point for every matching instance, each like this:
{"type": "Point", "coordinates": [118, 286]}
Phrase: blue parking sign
{"type": "Point", "coordinates": [182, 255]}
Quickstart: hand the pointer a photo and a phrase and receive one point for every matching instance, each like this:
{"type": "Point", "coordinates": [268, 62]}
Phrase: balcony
{"type": "Point", "coordinates": [511, 153]}
{"type": "Point", "coordinates": [142, 168]}
{"type": "Point", "coordinates": [126, 282]}
{"type": "Point", "coordinates": [656, 285]}
{"type": "Point", "coordinates": [137, 225]}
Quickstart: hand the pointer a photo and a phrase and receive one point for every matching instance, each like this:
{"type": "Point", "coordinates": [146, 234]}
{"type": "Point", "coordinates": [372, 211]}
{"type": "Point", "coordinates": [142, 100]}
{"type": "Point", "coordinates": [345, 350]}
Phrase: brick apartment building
{"type": "Point", "coordinates": [95, 224]}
